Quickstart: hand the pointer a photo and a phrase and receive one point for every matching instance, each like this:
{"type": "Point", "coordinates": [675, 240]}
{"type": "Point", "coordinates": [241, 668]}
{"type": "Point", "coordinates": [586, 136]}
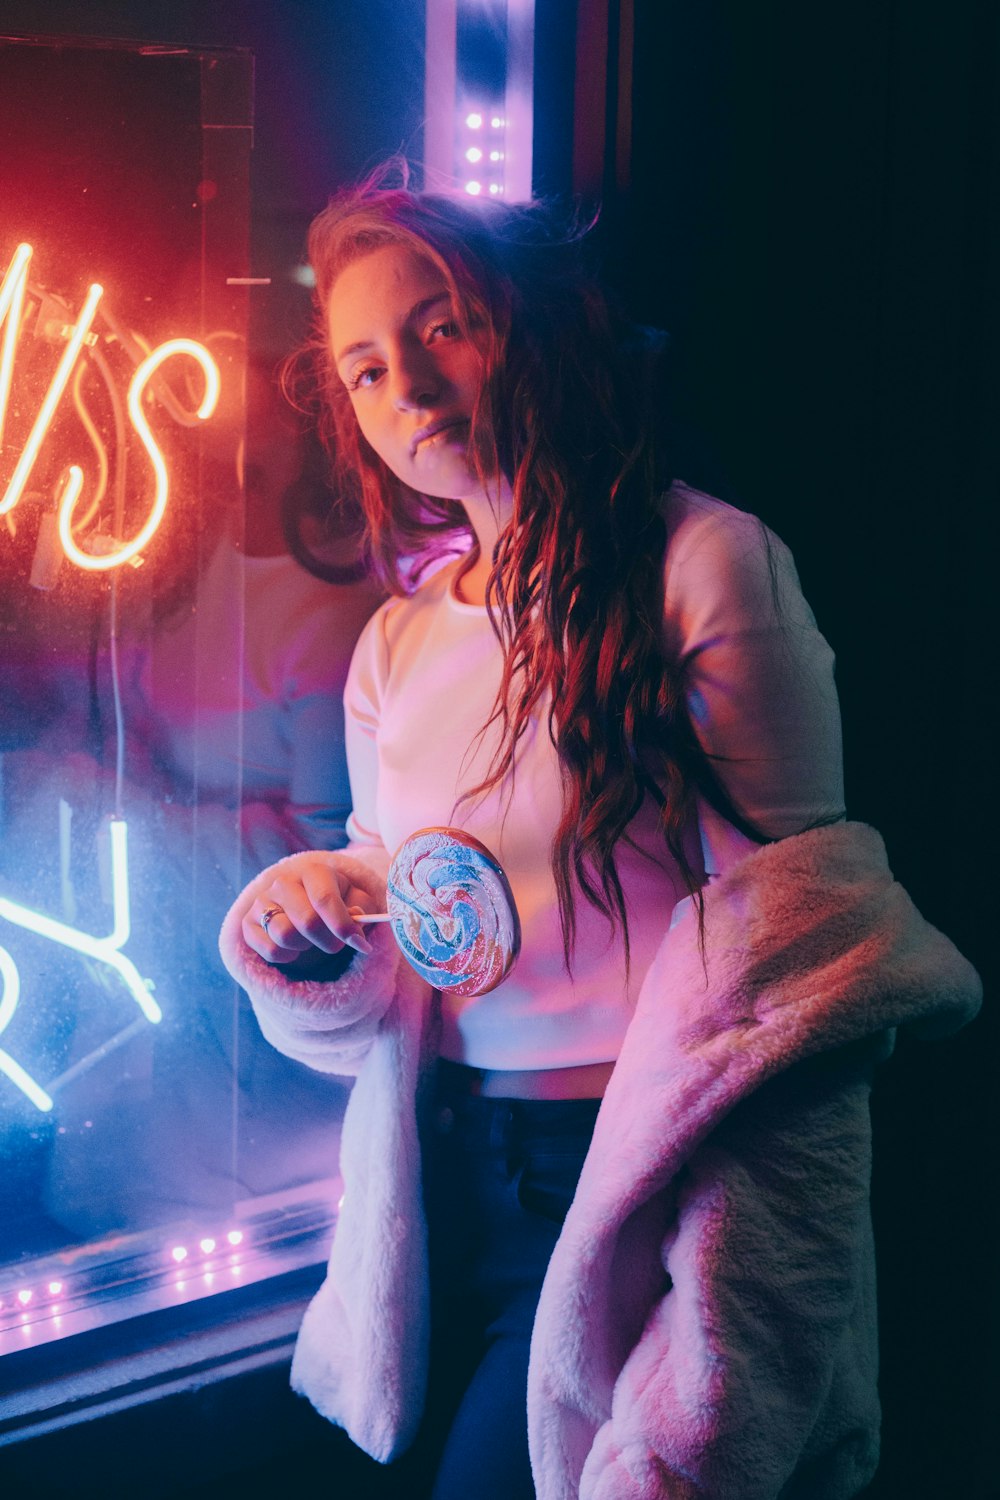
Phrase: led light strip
{"type": "Point", "coordinates": [461, 131]}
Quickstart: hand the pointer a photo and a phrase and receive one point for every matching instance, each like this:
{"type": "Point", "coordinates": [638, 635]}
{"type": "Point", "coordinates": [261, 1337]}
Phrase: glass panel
{"type": "Point", "coordinates": [157, 689]}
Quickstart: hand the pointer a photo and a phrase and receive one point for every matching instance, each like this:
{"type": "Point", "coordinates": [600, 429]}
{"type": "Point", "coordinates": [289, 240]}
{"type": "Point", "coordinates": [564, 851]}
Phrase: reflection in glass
{"type": "Point", "coordinates": [169, 723]}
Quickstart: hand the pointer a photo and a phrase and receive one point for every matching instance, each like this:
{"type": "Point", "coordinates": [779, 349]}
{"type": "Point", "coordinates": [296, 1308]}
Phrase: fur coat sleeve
{"type": "Point", "coordinates": [328, 1026]}
{"type": "Point", "coordinates": [706, 1330]}
{"type": "Point", "coordinates": [361, 1354]}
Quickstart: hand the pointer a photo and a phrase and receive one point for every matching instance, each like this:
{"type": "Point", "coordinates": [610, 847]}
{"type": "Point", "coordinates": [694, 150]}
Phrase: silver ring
{"type": "Point", "coordinates": [269, 916]}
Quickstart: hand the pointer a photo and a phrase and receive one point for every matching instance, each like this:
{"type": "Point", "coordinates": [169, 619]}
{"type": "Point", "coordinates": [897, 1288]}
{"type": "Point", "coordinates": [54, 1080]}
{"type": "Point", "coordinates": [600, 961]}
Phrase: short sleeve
{"type": "Point", "coordinates": [757, 673]}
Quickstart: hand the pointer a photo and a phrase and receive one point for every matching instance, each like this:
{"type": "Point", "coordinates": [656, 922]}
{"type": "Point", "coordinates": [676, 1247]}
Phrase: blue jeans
{"type": "Point", "coordinates": [499, 1177]}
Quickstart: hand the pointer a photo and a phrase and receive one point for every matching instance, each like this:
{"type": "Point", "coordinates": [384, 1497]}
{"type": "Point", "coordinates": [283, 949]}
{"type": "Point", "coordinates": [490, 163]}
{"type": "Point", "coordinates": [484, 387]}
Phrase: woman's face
{"type": "Point", "coordinates": [413, 377]}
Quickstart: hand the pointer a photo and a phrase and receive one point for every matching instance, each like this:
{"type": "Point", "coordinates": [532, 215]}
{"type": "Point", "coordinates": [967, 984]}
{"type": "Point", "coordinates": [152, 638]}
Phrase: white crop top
{"type": "Point", "coordinates": [759, 683]}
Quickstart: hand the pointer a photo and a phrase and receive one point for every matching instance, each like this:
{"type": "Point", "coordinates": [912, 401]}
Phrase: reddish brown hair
{"type": "Point", "coordinates": [575, 591]}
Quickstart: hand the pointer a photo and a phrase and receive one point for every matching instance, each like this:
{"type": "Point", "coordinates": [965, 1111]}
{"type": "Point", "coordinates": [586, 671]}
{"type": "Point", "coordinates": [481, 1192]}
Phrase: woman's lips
{"type": "Point", "coordinates": [435, 429]}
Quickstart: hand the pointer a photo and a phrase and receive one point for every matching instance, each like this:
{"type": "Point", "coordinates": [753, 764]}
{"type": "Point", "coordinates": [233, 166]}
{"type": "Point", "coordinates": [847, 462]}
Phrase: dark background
{"type": "Point", "coordinates": [813, 214]}
{"type": "Point", "coordinates": [806, 196]}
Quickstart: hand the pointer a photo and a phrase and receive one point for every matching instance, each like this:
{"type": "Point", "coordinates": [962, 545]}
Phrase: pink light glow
{"type": "Point", "coordinates": [179, 1253]}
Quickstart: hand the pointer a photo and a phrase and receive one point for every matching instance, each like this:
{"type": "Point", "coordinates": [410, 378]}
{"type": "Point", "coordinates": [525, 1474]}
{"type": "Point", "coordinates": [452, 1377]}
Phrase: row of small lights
{"type": "Point", "coordinates": [208, 1247]}
{"type": "Point", "coordinates": [474, 154]}
{"type": "Point", "coordinates": [179, 1254]}
{"type": "Point", "coordinates": [27, 1294]}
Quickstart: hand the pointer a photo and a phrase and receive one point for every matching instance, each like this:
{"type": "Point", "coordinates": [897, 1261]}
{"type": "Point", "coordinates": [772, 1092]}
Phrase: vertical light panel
{"type": "Point", "coordinates": [479, 84]}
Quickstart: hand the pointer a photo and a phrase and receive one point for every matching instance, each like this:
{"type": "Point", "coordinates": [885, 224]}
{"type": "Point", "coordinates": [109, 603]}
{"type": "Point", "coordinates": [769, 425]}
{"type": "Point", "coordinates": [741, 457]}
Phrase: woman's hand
{"type": "Point", "coordinates": [305, 911]}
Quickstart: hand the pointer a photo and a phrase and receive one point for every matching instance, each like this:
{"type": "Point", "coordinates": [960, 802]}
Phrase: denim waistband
{"type": "Point", "coordinates": [491, 1118]}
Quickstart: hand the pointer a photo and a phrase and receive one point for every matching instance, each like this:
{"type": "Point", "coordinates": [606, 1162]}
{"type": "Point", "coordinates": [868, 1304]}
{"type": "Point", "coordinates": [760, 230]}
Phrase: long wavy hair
{"type": "Point", "coordinates": [566, 412]}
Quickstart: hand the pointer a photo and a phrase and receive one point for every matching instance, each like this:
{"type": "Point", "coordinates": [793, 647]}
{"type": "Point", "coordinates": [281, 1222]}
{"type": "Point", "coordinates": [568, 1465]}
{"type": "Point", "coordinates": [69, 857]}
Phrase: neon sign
{"type": "Point", "coordinates": [105, 950]}
{"type": "Point", "coordinates": [12, 296]}
{"type": "Point", "coordinates": [80, 345]}
{"type": "Point", "coordinates": [8, 1004]}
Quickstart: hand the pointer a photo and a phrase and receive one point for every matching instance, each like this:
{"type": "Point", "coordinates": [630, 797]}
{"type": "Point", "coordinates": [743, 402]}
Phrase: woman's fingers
{"type": "Point", "coordinates": [328, 900]}
{"type": "Point", "coordinates": [269, 931]}
{"type": "Point", "coordinates": [302, 910]}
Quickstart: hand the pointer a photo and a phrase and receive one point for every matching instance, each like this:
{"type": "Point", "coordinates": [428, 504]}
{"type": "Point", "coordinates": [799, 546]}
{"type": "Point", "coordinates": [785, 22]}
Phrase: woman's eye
{"type": "Point", "coordinates": [362, 379]}
{"type": "Point", "coordinates": [447, 329]}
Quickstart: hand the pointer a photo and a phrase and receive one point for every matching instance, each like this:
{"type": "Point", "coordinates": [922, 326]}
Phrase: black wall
{"type": "Point", "coordinates": [814, 214]}
{"type": "Point", "coordinates": [339, 86]}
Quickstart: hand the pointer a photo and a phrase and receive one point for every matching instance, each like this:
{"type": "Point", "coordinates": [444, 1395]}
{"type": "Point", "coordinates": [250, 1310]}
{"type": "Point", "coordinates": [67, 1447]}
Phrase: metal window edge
{"type": "Point", "coordinates": [168, 1366]}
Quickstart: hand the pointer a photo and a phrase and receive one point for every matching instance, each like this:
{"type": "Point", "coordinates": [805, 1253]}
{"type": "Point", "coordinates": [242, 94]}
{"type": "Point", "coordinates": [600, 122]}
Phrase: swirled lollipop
{"type": "Point", "coordinates": [452, 911]}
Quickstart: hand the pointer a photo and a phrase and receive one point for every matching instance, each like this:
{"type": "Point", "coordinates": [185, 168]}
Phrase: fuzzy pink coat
{"type": "Point", "coordinates": [707, 1329]}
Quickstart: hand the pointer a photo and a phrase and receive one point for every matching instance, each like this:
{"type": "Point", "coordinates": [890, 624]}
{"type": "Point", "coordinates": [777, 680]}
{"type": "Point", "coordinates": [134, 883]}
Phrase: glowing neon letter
{"type": "Point", "coordinates": [8, 1005]}
{"type": "Point", "coordinates": [12, 292]}
{"type": "Point", "coordinates": [60, 380]}
{"type": "Point", "coordinates": [136, 390]}
{"type": "Point", "coordinates": [104, 949]}
{"type": "Point", "coordinates": [11, 305]}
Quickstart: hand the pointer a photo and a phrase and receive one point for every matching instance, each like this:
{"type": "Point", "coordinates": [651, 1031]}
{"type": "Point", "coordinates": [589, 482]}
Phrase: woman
{"type": "Point", "coordinates": [615, 684]}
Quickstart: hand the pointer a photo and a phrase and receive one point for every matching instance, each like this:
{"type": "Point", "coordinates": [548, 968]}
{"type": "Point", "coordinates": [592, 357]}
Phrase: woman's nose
{"type": "Point", "coordinates": [417, 381]}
